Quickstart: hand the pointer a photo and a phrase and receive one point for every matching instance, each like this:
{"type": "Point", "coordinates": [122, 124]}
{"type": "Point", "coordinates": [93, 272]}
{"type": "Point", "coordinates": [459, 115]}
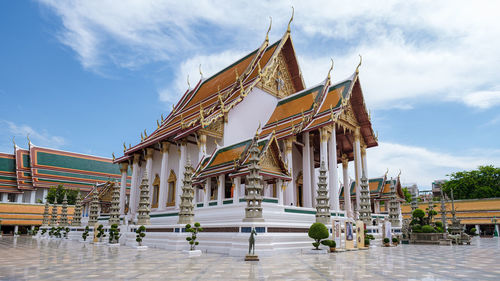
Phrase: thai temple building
{"type": "Point", "coordinates": [27, 174]}
{"type": "Point", "coordinates": [250, 140]}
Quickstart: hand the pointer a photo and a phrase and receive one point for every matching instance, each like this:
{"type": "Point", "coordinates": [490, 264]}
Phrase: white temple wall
{"type": "Point", "coordinates": [244, 119]}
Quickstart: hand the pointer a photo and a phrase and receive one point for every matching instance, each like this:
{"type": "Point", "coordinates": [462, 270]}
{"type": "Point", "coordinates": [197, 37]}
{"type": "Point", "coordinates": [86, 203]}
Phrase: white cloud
{"type": "Point", "coordinates": [43, 138]}
{"type": "Point", "coordinates": [421, 165]}
{"type": "Point", "coordinates": [482, 99]}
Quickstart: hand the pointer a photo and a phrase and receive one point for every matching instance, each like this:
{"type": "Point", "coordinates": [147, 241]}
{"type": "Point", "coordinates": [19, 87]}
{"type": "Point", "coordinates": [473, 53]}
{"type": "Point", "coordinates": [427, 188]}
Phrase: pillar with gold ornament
{"type": "Point", "coordinates": [202, 146]}
{"type": "Point", "coordinates": [347, 191]}
{"type": "Point", "coordinates": [306, 171]}
{"type": "Point", "coordinates": [123, 186]}
{"type": "Point", "coordinates": [333, 177]}
{"type": "Point", "coordinates": [149, 171]}
{"type": "Point", "coordinates": [290, 189]}
{"type": "Point", "coordinates": [162, 197]}
{"type": "Point", "coordinates": [134, 189]}
{"type": "Point", "coordinates": [357, 166]}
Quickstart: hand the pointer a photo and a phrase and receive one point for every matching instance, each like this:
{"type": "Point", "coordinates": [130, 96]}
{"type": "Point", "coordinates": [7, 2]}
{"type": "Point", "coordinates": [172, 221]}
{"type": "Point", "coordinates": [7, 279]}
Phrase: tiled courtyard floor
{"type": "Point", "coordinates": [25, 258]}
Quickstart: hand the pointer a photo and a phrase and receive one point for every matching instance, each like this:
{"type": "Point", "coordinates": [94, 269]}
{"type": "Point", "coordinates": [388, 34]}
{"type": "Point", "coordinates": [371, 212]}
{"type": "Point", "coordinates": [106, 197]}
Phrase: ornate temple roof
{"type": "Point", "coordinates": [233, 159]}
{"type": "Point", "coordinates": [38, 167]}
{"type": "Point", "coordinates": [8, 181]}
{"type": "Point", "coordinates": [380, 188]}
{"type": "Point", "coordinates": [212, 98]}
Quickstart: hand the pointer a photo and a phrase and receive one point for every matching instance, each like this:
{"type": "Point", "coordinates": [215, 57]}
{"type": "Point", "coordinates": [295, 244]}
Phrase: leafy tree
{"type": "Point", "coordinates": [114, 234]}
{"type": "Point", "coordinates": [85, 234]}
{"type": "Point", "coordinates": [318, 231]}
{"type": "Point", "coordinates": [419, 214]}
{"type": "Point", "coordinates": [407, 194]}
{"type": "Point", "coordinates": [140, 234]}
{"type": "Point", "coordinates": [58, 193]}
{"type": "Point", "coordinates": [194, 231]}
{"type": "Point", "coordinates": [481, 183]}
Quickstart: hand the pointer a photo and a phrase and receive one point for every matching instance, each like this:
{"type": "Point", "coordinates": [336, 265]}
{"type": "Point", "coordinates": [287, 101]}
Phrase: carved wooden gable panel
{"type": "Point", "coordinates": [277, 79]}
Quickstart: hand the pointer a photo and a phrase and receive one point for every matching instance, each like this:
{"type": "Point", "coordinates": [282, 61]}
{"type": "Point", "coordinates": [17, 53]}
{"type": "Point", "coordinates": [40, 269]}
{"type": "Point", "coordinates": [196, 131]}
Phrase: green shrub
{"type": "Point", "coordinates": [66, 231]}
{"type": "Point", "coordinates": [395, 240]}
{"type": "Point", "coordinates": [114, 234]}
{"type": "Point", "coordinates": [329, 243]}
{"type": "Point", "coordinates": [318, 231]}
{"type": "Point", "coordinates": [386, 240]}
{"type": "Point", "coordinates": [439, 229]}
{"type": "Point", "coordinates": [100, 232]}
{"type": "Point", "coordinates": [438, 224]}
{"type": "Point", "coordinates": [473, 231]}
{"type": "Point", "coordinates": [43, 231]}
{"type": "Point", "coordinates": [367, 241]}
{"type": "Point", "coordinates": [418, 213]}
{"type": "Point", "coordinates": [194, 231]}
{"type": "Point", "coordinates": [427, 229]}
{"type": "Point", "coordinates": [85, 234]}
{"type": "Point", "coordinates": [417, 228]}
{"type": "Point", "coordinates": [140, 234]}
{"type": "Point", "coordinates": [370, 237]}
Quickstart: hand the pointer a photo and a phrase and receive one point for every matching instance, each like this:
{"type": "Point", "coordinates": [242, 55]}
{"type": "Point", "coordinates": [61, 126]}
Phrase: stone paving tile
{"type": "Point", "coordinates": [25, 258]}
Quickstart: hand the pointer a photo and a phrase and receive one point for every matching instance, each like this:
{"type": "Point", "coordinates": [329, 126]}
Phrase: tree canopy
{"type": "Point", "coordinates": [407, 194]}
{"type": "Point", "coordinates": [58, 193]}
{"type": "Point", "coordinates": [481, 183]}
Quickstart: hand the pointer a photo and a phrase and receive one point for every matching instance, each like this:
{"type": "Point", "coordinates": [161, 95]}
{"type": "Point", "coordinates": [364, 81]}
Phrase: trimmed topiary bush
{"type": "Point", "coordinates": [438, 224]}
{"type": "Point", "coordinates": [473, 231]}
{"type": "Point", "coordinates": [439, 229]}
{"type": "Point", "coordinates": [100, 232]}
{"type": "Point", "coordinates": [395, 240]}
{"type": "Point", "coordinates": [329, 243]}
{"type": "Point", "coordinates": [417, 228]}
{"type": "Point", "coordinates": [194, 231]}
{"type": "Point", "coordinates": [44, 231]}
{"type": "Point", "coordinates": [367, 241]}
{"type": "Point", "coordinates": [318, 231]}
{"type": "Point", "coordinates": [386, 240]}
{"type": "Point", "coordinates": [419, 215]}
{"type": "Point", "coordinates": [427, 229]}
{"type": "Point", "coordinates": [140, 234]}
{"type": "Point", "coordinates": [66, 231]}
{"type": "Point", "coordinates": [114, 234]}
{"type": "Point", "coordinates": [85, 234]}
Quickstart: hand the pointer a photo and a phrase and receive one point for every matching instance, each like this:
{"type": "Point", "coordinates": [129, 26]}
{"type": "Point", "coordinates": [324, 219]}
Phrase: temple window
{"type": "Point", "coordinates": [299, 189]}
{"type": "Point", "coordinates": [214, 186]}
{"type": "Point", "coordinates": [228, 187]}
{"type": "Point", "coordinates": [156, 192]}
{"type": "Point", "coordinates": [171, 189]}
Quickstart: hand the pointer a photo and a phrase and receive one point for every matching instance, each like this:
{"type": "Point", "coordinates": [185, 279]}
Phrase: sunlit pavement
{"type": "Point", "coordinates": [32, 259]}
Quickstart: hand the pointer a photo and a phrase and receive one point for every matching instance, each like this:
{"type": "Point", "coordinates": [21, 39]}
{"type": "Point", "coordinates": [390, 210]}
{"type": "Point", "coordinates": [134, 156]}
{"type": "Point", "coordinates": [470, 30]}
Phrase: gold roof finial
{"type": "Point", "coordinates": [124, 147]}
{"type": "Point", "coordinates": [269, 29]}
{"type": "Point", "coordinates": [258, 129]}
{"type": "Point", "coordinates": [291, 19]}
{"type": "Point", "coordinates": [142, 137]}
{"type": "Point", "coordinates": [113, 154]}
{"type": "Point", "coordinates": [28, 137]}
{"type": "Point", "coordinates": [386, 172]}
{"type": "Point", "coordinates": [14, 142]}
{"type": "Point", "coordinates": [158, 123]}
{"type": "Point", "coordinates": [162, 118]}
{"type": "Point", "coordinates": [173, 107]}
{"type": "Point", "coordinates": [399, 173]}
{"type": "Point", "coordinates": [189, 84]}
{"type": "Point", "coordinates": [236, 71]}
{"type": "Point", "coordinates": [201, 73]}
{"type": "Point", "coordinates": [360, 61]}
{"type": "Point", "coordinates": [145, 134]}
{"type": "Point", "coordinates": [331, 67]}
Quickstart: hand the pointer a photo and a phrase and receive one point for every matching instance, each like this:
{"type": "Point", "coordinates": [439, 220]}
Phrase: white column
{"type": "Point", "coordinates": [16, 229]}
{"type": "Point", "coordinates": [33, 197]}
{"type": "Point", "coordinates": [123, 187]}
{"type": "Point", "coordinates": [162, 196]}
{"type": "Point", "coordinates": [478, 230]}
{"type": "Point", "coordinates": [202, 146]}
{"type": "Point", "coordinates": [333, 177]}
{"type": "Point", "coordinates": [496, 228]}
{"type": "Point", "coordinates": [290, 189]}
{"type": "Point", "coordinates": [206, 195]}
{"type": "Point", "coordinates": [182, 165]}
{"type": "Point", "coordinates": [357, 166]}
{"type": "Point", "coordinates": [44, 195]}
{"type": "Point", "coordinates": [280, 192]}
{"type": "Point", "coordinates": [347, 191]}
{"type": "Point", "coordinates": [132, 204]}
{"type": "Point", "coordinates": [306, 171]}
{"type": "Point", "coordinates": [363, 162]}
{"type": "Point", "coordinates": [19, 198]}
{"type": "Point", "coordinates": [5, 197]}
{"type": "Point", "coordinates": [313, 177]}
{"type": "Point", "coordinates": [236, 191]}
{"type": "Point", "coordinates": [377, 207]}
{"type": "Point", "coordinates": [220, 190]}
{"type": "Point", "coordinates": [149, 171]}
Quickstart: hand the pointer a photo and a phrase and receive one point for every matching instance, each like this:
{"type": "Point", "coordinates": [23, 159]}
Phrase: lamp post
{"type": "Point", "coordinates": [494, 222]}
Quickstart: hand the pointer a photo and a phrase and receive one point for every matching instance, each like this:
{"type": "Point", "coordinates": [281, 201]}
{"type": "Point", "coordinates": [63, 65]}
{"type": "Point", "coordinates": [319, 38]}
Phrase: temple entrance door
{"type": "Point", "coordinates": [299, 192]}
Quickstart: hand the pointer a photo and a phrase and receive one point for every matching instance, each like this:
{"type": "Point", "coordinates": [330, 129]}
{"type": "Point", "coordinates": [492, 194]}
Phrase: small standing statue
{"type": "Point", "coordinates": [251, 247]}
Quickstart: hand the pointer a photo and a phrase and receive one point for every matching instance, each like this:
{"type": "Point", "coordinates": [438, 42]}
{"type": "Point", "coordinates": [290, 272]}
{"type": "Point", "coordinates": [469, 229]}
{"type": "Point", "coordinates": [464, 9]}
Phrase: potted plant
{"type": "Point", "coordinates": [85, 233]}
{"type": "Point", "coordinates": [387, 242]}
{"type": "Point", "coordinates": [44, 231]}
{"type": "Point", "coordinates": [192, 240]}
{"type": "Point", "coordinates": [51, 231]}
{"type": "Point", "coordinates": [140, 235]}
{"type": "Point", "coordinates": [66, 231]}
{"type": "Point", "coordinates": [395, 241]}
{"type": "Point", "coordinates": [35, 232]}
{"type": "Point", "coordinates": [473, 231]}
{"type": "Point", "coordinates": [330, 244]}
{"type": "Point", "coordinates": [100, 232]}
{"type": "Point", "coordinates": [318, 231]}
{"type": "Point", "coordinates": [114, 234]}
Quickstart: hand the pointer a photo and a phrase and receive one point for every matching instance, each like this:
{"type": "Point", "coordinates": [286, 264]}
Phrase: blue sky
{"type": "Point", "coordinates": [85, 76]}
